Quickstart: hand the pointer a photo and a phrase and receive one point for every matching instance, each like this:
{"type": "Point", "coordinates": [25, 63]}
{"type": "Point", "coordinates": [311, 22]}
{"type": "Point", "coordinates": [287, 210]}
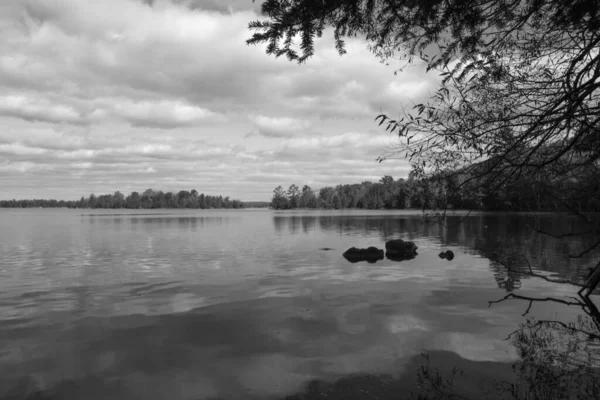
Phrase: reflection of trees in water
{"type": "Point", "coordinates": [504, 239]}
{"type": "Point", "coordinates": [388, 228]}
{"type": "Point", "coordinates": [191, 222]}
{"type": "Point", "coordinates": [508, 280]}
{"type": "Point", "coordinates": [514, 243]}
{"type": "Point", "coordinates": [294, 223]}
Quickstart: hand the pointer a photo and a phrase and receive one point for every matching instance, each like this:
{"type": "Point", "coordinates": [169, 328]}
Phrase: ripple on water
{"type": "Point", "coordinates": [176, 306]}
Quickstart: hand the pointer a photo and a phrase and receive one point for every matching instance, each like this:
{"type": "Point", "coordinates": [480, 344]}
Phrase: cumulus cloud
{"type": "Point", "coordinates": [162, 114]}
{"type": "Point", "coordinates": [279, 126]}
{"type": "Point", "coordinates": [38, 110]}
{"type": "Point", "coordinates": [153, 114]}
{"type": "Point", "coordinates": [128, 94]}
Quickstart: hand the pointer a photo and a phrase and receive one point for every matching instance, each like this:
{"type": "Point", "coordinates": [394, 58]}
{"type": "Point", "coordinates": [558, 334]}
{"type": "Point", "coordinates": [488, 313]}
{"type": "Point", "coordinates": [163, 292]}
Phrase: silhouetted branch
{"type": "Point", "coordinates": [459, 222]}
{"type": "Point", "coordinates": [562, 236]}
{"type": "Point", "coordinates": [593, 281]}
{"type": "Point", "coordinates": [532, 299]}
{"type": "Point", "coordinates": [531, 273]}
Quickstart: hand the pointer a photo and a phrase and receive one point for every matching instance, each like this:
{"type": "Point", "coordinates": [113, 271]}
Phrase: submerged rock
{"type": "Point", "coordinates": [370, 254]}
{"type": "Point", "coordinates": [448, 255]}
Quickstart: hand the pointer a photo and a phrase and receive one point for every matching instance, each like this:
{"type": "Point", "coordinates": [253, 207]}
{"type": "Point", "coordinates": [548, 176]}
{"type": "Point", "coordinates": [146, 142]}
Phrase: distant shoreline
{"type": "Point", "coordinates": [149, 199]}
{"type": "Point", "coordinates": [302, 211]}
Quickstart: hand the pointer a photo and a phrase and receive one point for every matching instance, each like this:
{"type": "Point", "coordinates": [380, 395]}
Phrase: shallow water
{"type": "Point", "coordinates": [243, 304]}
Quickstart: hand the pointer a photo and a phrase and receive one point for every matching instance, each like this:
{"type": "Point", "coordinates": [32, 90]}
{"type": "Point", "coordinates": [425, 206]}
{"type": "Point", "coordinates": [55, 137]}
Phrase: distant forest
{"type": "Point", "coordinates": [148, 199]}
{"type": "Point", "coordinates": [452, 190]}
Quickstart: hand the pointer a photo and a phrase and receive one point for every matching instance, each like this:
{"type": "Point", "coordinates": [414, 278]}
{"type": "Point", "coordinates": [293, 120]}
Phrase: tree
{"type": "Point", "coordinates": [133, 200]}
{"type": "Point", "coordinates": [389, 191]}
{"type": "Point", "coordinates": [308, 198]}
{"type": "Point", "coordinates": [182, 198]}
{"type": "Point", "coordinates": [118, 199]}
{"type": "Point", "coordinates": [335, 202]}
{"type": "Point", "coordinates": [161, 200]}
{"type": "Point", "coordinates": [520, 87]}
{"type": "Point", "coordinates": [93, 201]}
{"type": "Point", "coordinates": [293, 196]}
{"type": "Point", "coordinates": [192, 202]}
{"type": "Point", "coordinates": [326, 196]}
{"type": "Point", "coordinates": [279, 200]}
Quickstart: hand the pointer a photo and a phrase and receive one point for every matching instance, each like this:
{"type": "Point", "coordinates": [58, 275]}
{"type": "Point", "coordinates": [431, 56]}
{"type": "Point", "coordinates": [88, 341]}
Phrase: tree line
{"type": "Point", "coordinates": [453, 190]}
{"type": "Point", "coordinates": [387, 193]}
{"type": "Point", "coordinates": [148, 200]}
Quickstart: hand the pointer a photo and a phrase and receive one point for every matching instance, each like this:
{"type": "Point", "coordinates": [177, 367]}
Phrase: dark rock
{"type": "Point", "coordinates": [448, 255]}
{"type": "Point", "coordinates": [370, 254]}
{"type": "Point", "coordinates": [399, 247]}
{"type": "Point", "coordinates": [399, 250]}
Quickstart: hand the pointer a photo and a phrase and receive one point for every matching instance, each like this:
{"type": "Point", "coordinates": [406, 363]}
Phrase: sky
{"type": "Point", "coordinates": [99, 96]}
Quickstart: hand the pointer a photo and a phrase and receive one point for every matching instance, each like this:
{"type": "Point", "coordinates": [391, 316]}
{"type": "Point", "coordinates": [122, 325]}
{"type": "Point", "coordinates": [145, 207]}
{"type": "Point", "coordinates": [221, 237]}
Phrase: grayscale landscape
{"type": "Point", "coordinates": [299, 200]}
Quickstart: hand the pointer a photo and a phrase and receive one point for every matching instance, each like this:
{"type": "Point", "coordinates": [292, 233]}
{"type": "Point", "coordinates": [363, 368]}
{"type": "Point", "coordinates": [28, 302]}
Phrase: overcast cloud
{"type": "Point", "coordinates": [98, 96]}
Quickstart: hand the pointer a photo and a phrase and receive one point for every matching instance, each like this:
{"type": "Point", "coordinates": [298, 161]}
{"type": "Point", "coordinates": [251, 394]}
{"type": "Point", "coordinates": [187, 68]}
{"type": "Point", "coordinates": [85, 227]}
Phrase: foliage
{"type": "Point", "coordinates": [518, 97]}
{"type": "Point", "coordinates": [558, 360]}
{"type": "Point", "coordinates": [293, 194]}
{"type": "Point", "coordinates": [433, 384]}
{"type": "Point", "coordinates": [280, 199]}
{"type": "Point", "coordinates": [148, 199]}
{"type": "Point", "coordinates": [444, 191]}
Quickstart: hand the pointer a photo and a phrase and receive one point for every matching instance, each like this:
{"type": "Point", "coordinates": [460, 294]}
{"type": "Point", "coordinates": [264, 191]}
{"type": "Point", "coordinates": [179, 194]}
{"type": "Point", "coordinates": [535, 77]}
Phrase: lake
{"type": "Point", "coordinates": [244, 304]}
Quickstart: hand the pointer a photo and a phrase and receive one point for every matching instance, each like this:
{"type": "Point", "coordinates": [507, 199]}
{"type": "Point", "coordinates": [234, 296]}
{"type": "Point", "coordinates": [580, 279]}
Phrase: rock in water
{"type": "Point", "coordinates": [370, 254]}
{"type": "Point", "coordinates": [448, 255]}
{"type": "Point", "coordinates": [400, 248]}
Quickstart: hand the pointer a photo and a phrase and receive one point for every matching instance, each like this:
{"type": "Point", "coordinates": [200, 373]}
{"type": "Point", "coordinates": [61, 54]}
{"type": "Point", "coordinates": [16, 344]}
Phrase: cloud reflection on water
{"type": "Point", "coordinates": [142, 311]}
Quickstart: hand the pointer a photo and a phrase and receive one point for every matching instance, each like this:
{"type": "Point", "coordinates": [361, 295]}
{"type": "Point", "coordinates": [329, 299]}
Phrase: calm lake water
{"type": "Point", "coordinates": [243, 304]}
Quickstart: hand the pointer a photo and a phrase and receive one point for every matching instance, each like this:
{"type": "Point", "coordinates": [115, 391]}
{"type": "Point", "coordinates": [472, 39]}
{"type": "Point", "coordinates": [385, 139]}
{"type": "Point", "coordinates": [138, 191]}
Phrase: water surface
{"type": "Point", "coordinates": [243, 304]}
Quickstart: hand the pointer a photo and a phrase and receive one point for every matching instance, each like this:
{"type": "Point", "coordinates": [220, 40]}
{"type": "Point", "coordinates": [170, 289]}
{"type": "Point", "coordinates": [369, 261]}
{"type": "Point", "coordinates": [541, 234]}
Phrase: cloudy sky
{"type": "Point", "coordinates": [98, 96]}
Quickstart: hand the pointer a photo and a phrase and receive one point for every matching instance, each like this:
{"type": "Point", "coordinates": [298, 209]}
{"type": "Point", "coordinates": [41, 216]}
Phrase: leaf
{"type": "Point", "coordinates": [383, 118]}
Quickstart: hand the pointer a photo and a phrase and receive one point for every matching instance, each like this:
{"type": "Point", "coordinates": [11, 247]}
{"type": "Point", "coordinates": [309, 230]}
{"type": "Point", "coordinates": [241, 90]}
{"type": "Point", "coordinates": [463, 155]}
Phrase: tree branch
{"type": "Point", "coordinates": [532, 299]}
